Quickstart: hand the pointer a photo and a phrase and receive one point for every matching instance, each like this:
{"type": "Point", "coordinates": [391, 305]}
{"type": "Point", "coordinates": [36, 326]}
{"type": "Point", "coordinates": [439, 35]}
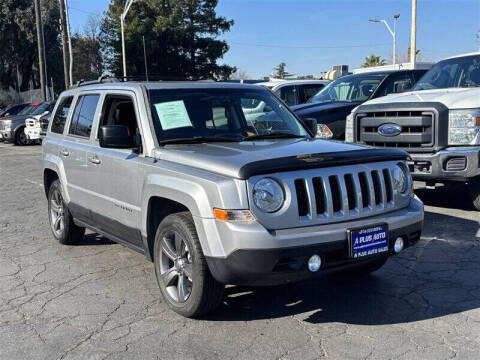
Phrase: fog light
{"type": "Point", "coordinates": [398, 245]}
{"type": "Point", "coordinates": [314, 263]}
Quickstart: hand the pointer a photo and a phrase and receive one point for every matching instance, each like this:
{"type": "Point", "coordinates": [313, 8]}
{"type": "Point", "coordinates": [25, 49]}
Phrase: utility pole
{"type": "Point", "coordinates": [41, 49]}
{"type": "Point", "coordinates": [413, 39]}
{"type": "Point", "coordinates": [70, 65]}
{"type": "Point", "coordinates": [122, 29]}
{"type": "Point", "coordinates": [63, 29]}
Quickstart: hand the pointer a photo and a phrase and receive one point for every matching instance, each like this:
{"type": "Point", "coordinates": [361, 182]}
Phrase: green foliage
{"type": "Point", "coordinates": [180, 36]}
{"type": "Point", "coordinates": [18, 43]}
{"type": "Point", "coordinates": [280, 72]}
{"type": "Point", "coordinates": [87, 56]}
{"type": "Point", "coordinates": [373, 60]}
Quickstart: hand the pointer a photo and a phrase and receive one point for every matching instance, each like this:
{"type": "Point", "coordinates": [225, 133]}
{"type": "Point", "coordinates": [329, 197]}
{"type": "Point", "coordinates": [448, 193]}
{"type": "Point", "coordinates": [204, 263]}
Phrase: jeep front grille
{"type": "Point", "coordinates": [417, 129]}
{"type": "Point", "coordinates": [353, 193]}
{"type": "Point", "coordinates": [333, 194]}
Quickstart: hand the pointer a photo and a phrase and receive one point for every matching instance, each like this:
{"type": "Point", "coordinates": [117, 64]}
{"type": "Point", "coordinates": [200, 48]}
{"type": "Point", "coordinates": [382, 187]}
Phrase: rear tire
{"type": "Point", "coordinates": [182, 272]}
{"type": "Point", "coordinates": [474, 189]}
{"type": "Point", "coordinates": [63, 228]}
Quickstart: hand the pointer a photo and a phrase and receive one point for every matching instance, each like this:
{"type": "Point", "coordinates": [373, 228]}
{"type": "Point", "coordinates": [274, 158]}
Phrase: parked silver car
{"type": "Point", "coordinates": [175, 171]}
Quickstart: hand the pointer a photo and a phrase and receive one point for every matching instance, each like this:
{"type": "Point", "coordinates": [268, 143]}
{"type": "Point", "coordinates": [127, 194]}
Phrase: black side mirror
{"type": "Point", "coordinates": [116, 136]}
{"type": "Point", "coordinates": [311, 125]}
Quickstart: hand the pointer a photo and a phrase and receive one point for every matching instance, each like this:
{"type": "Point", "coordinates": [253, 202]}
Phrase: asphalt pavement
{"type": "Point", "coordinates": [100, 300]}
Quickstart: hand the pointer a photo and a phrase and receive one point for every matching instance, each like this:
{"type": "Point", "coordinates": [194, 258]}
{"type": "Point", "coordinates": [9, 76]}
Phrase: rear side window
{"type": "Point", "coordinates": [288, 94]}
{"type": "Point", "coordinates": [83, 115]}
{"type": "Point", "coordinates": [58, 122]}
{"type": "Point", "coordinates": [310, 90]}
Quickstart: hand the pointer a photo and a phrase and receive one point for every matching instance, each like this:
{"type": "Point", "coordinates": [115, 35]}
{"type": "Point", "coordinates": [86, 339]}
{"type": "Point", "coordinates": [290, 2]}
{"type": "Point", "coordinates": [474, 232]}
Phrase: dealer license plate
{"type": "Point", "coordinates": [368, 241]}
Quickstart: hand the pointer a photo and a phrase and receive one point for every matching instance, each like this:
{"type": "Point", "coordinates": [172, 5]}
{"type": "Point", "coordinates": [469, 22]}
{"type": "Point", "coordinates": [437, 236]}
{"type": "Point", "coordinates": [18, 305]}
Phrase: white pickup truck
{"type": "Point", "coordinates": [438, 123]}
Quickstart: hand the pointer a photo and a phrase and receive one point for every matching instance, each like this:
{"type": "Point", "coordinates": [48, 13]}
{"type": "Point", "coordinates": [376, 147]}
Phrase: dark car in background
{"type": "Point", "coordinates": [12, 128]}
{"type": "Point", "coordinates": [331, 105]}
{"type": "Point", "coordinates": [12, 110]}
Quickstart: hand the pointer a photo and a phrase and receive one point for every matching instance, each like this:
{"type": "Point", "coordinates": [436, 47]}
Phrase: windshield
{"type": "Point", "coordinates": [351, 88]}
{"type": "Point", "coordinates": [220, 113]}
{"type": "Point", "coordinates": [27, 109]}
{"type": "Point", "coordinates": [41, 108]}
{"type": "Point", "coordinates": [457, 72]}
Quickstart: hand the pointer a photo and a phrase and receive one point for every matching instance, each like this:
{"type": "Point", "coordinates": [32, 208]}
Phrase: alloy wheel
{"type": "Point", "coordinates": [57, 213]}
{"type": "Point", "coordinates": [176, 267]}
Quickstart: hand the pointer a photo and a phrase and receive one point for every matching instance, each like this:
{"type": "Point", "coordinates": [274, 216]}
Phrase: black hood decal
{"type": "Point", "coordinates": [321, 160]}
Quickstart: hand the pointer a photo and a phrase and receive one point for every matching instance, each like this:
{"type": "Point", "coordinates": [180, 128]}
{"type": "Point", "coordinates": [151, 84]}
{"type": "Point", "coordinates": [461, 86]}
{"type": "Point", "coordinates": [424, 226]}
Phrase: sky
{"type": "Point", "coordinates": [311, 36]}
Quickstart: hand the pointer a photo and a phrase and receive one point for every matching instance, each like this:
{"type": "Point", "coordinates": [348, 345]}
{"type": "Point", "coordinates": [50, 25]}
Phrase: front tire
{"type": "Point", "coordinates": [63, 228]}
{"type": "Point", "coordinates": [21, 138]}
{"type": "Point", "coordinates": [182, 272]}
{"type": "Point", "coordinates": [474, 189]}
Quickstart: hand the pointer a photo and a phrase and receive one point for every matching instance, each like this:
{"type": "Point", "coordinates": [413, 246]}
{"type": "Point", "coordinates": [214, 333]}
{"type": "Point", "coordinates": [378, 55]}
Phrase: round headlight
{"type": "Point", "coordinates": [400, 178]}
{"type": "Point", "coordinates": [268, 195]}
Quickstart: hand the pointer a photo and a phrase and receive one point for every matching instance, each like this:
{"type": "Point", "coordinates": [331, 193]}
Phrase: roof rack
{"type": "Point", "coordinates": [150, 78]}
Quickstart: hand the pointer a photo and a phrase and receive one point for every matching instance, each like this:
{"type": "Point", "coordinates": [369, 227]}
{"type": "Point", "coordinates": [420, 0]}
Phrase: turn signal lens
{"type": "Point", "coordinates": [233, 215]}
{"type": "Point", "coordinates": [323, 132]}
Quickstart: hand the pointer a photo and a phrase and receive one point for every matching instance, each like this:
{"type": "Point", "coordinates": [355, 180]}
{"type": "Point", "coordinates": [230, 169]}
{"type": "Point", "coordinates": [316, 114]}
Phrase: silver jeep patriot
{"type": "Point", "coordinates": [215, 193]}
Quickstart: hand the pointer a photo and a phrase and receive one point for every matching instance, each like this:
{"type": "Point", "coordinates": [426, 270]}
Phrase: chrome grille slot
{"type": "Point", "coordinates": [320, 197]}
{"type": "Point", "coordinates": [336, 193]}
{"type": "Point", "coordinates": [365, 189]}
{"type": "Point", "coordinates": [351, 192]}
{"type": "Point", "coordinates": [388, 185]}
{"type": "Point", "coordinates": [302, 197]}
{"type": "Point", "coordinates": [377, 187]}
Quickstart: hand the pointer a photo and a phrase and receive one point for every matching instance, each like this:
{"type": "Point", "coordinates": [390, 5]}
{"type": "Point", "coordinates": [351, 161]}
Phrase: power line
{"type": "Point", "coordinates": [83, 11]}
{"type": "Point", "coordinates": [306, 47]}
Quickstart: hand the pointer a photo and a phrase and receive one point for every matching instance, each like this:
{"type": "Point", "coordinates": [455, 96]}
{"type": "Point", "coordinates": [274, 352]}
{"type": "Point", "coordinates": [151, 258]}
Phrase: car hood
{"type": "Point", "coordinates": [305, 109]}
{"type": "Point", "coordinates": [17, 119]}
{"type": "Point", "coordinates": [244, 159]}
{"type": "Point", "coordinates": [453, 98]}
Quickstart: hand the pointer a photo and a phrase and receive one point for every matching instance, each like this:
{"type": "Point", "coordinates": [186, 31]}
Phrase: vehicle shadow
{"type": "Point", "coordinates": [437, 277]}
{"type": "Point", "coordinates": [94, 239]}
{"type": "Point", "coordinates": [452, 196]}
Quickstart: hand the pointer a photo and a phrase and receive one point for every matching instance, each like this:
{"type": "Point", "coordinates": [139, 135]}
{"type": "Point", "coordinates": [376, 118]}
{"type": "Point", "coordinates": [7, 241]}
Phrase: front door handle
{"type": "Point", "coordinates": [94, 160]}
{"type": "Point", "coordinates": [65, 152]}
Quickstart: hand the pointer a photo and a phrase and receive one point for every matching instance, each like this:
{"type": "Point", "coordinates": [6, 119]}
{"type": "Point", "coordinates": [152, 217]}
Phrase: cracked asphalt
{"type": "Point", "coordinates": [100, 300]}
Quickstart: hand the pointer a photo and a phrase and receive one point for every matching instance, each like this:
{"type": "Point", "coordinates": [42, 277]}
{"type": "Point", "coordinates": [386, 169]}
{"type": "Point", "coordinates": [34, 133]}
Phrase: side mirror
{"type": "Point", "coordinates": [116, 136]}
{"type": "Point", "coordinates": [45, 113]}
{"type": "Point", "coordinates": [311, 124]}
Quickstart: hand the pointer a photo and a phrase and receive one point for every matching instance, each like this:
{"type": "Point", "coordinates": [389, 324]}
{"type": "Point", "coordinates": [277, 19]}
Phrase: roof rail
{"type": "Point", "coordinates": [101, 79]}
{"type": "Point", "coordinates": [154, 78]}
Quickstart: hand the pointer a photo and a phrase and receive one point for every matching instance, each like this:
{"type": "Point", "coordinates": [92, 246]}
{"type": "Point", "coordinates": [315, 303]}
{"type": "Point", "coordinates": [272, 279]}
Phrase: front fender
{"type": "Point", "coordinates": [200, 196]}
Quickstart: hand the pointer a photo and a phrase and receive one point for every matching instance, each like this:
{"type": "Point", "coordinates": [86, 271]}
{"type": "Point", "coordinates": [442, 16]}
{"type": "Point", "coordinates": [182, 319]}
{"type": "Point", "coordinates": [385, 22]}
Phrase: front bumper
{"type": "Point", "coordinates": [450, 164]}
{"type": "Point", "coordinates": [276, 257]}
{"type": "Point", "coordinates": [32, 133]}
{"type": "Point", "coordinates": [7, 135]}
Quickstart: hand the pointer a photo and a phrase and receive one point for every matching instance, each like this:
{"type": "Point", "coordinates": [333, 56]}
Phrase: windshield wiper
{"type": "Point", "coordinates": [197, 140]}
{"type": "Point", "coordinates": [273, 135]}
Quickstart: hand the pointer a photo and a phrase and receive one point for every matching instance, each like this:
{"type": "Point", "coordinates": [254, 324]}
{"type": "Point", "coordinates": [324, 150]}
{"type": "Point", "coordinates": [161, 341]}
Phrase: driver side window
{"type": "Point", "coordinates": [120, 110]}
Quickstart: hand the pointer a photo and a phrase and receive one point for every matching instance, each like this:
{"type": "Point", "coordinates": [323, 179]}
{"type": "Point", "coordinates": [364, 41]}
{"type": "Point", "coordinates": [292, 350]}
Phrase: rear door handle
{"type": "Point", "coordinates": [94, 159]}
{"type": "Point", "coordinates": [65, 152]}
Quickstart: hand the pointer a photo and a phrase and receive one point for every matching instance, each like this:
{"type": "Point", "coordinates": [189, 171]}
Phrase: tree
{"type": "Point", "coordinates": [373, 60]}
{"type": "Point", "coordinates": [18, 43]}
{"type": "Point", "coordinates": [180, 36]}
{"type": "Point", "coordinates": [87, 57]}
{"type": "Point", "coordinates": [280, 72]}
{"type": "Point", "coordinates": [239, 74]}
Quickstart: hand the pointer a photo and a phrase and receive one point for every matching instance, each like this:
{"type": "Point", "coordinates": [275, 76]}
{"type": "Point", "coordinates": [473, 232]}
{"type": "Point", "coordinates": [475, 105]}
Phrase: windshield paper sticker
{"type": "Point", "coordinates": [173, 115]}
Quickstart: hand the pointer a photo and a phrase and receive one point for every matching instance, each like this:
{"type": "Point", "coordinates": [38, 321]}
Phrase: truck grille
{"type": "Point", "coordinates": [2, 125]}
{"type": "Point", "coordinates": [417, 129]}
{"type": "Point", "coordinates": [30, 123]}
